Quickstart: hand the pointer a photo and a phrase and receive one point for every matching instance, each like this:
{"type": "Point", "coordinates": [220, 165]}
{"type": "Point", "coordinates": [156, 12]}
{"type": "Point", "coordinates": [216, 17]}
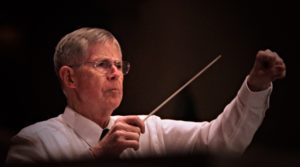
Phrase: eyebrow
{"type": "Point", "coordinates": [105, 59]}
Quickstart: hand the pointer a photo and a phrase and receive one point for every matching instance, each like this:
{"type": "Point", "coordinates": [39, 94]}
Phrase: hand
{"type": "Point", "coordinates": [125, 133]}
{"type": "Point", "coordinates": [268, 67]}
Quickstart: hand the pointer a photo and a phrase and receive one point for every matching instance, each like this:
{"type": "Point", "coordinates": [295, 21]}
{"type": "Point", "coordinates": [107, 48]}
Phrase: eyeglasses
{"type": "Point", "coordinates": [105, 65]}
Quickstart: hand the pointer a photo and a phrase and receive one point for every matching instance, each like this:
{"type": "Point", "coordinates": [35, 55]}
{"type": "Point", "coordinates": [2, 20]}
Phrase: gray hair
{"type": "Point", "coordinates": [73, 47]}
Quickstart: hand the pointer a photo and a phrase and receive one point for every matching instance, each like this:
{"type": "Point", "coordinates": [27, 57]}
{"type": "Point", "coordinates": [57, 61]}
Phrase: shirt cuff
{"type": "Point", "coordinates": [255, 99]}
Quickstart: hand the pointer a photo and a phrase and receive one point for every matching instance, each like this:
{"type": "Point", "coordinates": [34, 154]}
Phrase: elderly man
{"type": "Point", "coordinates": [89, 65]}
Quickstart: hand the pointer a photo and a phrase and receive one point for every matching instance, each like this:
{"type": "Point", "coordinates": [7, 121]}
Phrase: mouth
{"type": "Point", "coordinates": [113, 90]}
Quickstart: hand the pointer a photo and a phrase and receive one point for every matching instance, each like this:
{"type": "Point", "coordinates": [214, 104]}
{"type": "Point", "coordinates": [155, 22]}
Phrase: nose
{"type": "Point", "coordinates": [114, 73]}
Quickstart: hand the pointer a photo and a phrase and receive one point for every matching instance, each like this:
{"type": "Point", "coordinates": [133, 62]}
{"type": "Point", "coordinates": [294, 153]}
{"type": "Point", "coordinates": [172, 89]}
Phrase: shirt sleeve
{"type": "Point", "coordinates": [231, 132]}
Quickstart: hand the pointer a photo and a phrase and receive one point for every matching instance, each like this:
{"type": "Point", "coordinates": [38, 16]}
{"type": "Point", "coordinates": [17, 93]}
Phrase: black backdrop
{"type": "Point", "coordinates": [167, 42]}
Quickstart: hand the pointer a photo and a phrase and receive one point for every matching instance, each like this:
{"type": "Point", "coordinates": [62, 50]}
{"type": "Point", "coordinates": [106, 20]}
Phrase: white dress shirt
{"type": "Point", "coordinates": [70, 135]}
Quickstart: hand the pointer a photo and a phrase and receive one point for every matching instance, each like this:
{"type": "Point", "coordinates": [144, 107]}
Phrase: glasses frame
{"type": "Point", "coordinates": [125, 65]}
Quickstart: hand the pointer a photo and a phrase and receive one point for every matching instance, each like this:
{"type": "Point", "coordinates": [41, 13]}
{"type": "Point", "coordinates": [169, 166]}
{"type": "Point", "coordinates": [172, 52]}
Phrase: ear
{"type": "Point", "coordinates": [66, 75]}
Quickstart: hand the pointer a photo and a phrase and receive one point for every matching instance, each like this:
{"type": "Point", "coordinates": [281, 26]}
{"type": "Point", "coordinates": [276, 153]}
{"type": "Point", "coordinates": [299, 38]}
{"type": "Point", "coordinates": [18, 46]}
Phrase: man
{"type": "Point", "coordinates": [89, 65]}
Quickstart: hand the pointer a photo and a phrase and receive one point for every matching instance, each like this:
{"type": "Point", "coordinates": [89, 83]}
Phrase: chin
{"type": "Point", "coordinates": [115, 104]}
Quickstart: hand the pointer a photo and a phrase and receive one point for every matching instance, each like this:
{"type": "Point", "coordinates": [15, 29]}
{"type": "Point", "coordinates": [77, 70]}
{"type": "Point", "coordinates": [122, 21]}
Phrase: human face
{"type": "Point", "coordinates": [98, 90]}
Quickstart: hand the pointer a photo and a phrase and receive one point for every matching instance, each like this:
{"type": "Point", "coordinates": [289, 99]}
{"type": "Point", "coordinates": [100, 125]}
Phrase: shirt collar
{"type": "Point", "coordinates": [88, 130]}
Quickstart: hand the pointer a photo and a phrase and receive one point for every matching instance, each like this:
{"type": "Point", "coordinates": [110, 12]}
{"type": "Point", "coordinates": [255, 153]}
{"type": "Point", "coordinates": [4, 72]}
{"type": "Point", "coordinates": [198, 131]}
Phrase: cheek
{"type": "Point", "coordinates": [96, 87]}
{"type": "Point", "coordinates": [90, 85]}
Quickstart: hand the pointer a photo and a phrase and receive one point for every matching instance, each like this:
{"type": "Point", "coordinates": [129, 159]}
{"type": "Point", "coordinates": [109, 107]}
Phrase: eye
{"type": "Point", "coordinates": [118, 65]}
{"type": "Point", "coordinates": [105, 64]}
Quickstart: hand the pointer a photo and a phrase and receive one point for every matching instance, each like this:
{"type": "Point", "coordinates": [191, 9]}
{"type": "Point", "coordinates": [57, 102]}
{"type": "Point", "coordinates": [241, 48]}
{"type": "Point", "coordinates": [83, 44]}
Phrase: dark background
{"type": "Point", "coordinates": [167, 42]}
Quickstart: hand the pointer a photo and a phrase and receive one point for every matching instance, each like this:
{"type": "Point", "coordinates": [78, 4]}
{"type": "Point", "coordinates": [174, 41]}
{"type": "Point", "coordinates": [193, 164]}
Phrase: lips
{"type": "Point", "coordinates": [113, 90]}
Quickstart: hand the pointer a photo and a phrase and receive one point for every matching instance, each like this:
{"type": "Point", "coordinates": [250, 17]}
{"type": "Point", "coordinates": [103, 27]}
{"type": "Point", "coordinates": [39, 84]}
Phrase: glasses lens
{"type": "Point", "coordinates": [125, 67]}
{"type": "Point", "coordinates": [105, 65]}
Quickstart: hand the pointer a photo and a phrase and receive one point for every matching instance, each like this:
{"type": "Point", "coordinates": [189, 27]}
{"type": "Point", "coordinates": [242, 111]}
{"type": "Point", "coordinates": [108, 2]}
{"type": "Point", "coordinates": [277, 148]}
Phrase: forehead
{"type": "Point", "coordinates": [108, 49]}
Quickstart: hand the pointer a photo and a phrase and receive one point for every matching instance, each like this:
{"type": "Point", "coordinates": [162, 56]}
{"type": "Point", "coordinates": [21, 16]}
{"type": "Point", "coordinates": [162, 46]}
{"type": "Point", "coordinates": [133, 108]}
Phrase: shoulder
{"type": "Point", "coordinates": [51, 125]}
{"type": "Point", "coordinates": [29, 144]}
